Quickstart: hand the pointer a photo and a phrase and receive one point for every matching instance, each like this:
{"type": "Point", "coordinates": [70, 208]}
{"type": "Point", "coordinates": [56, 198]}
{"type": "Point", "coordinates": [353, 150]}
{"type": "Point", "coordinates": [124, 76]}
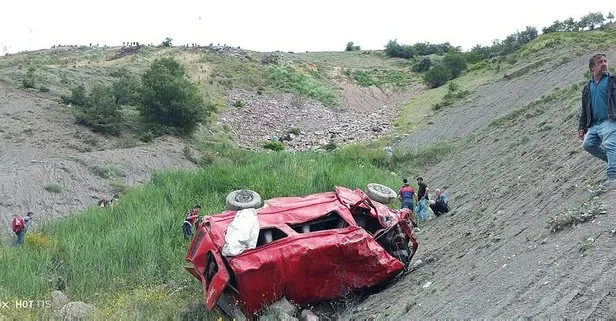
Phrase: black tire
{"type": "Point", "coordinates": [242, 199]}
{"type": "Point", "coordinates": [381, 193]}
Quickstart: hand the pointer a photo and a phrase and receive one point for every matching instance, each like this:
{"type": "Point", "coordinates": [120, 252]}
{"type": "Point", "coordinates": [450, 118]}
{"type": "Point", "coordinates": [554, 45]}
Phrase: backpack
{"type": "Point", "coordinates": [17, 224]}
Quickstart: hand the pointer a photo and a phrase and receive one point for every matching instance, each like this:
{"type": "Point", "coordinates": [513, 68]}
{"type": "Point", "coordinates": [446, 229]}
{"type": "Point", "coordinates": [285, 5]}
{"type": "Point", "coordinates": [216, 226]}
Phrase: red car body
{"type": "Point", "coordinates": [310, 249]}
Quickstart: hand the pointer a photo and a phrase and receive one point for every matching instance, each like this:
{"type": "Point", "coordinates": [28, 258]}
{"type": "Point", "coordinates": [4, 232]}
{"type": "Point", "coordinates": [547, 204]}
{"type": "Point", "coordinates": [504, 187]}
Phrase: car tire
{"type": "Point", "coordinates": [380, 193]}
{"type": "Point", "coordinates": [243, 199]}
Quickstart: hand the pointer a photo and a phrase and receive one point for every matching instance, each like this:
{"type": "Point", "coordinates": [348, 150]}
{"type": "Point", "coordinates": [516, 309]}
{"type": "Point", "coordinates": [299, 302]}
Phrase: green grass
{"type": "Point", "coordinates": [292, 79]}
{"type": "Point", "coordinates": [135, 249]}
{"type": "Point", "coordinates": [398, 79]}
{"type": "Point", "coordinates": [363, 59]}
{"type": "Point", "coordinates": [53, 187]}
{"type": "Point", "coordinates": [108, 170]}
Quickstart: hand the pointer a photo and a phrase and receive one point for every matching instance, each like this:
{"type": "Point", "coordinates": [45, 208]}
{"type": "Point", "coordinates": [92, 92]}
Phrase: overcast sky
{"type": "Point", "coordinates": [269, 25]}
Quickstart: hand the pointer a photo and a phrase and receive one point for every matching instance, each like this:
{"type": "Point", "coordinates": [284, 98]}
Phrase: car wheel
{"type": "Point", "coordinates": [380, 193]}
{"type": "Point", "coordinates": [242, 199]}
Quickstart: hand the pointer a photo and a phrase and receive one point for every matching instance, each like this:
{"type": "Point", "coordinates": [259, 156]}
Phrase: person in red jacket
{"type": "Point", "coordinates": [407, 195]}
{"type": "Point", "coordinates": [189, 221]}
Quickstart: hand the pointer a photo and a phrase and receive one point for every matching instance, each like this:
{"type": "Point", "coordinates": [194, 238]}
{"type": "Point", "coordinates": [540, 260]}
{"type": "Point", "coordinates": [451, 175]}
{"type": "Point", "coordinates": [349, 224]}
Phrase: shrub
{"type": "Point", "coordinates": [126, 90]}
{"type": "Point", "coordinates": [437, 75]}
{"type": "Point", "coordinates": [29, 80]}
{"type": "Point", "coordinates": [108, 171]}
{"type": "Point", "coordinates": [43, 89]}
{"type": "Point", "coordinates": [290, 80]}
{"type": "Point", "coordinates": [331, 145]}
{"type": "Point", "coordinates": [274, 145]}
{"type": "Point", "coordinates": [455, 62]}
{"type": "Point", "coordinates": [294, 131]}
{"type": "Point", "coordinates": [423, 65]}
{"type": "Point", "coordinates": [77, 97]}
{"type": "Point", "coordinates": [147, 136]}
{"type": "Point", "coordinates": [53, 187]}
{"type": "Point", "coordinates": [168, 98]}
{"type": "Point", "coordinates": [167, 42]}
{"type": "Point", "coordinates": [100, 112]}
{"type": "Point", "coordinates": [238, 103]}
{"type": "Point", "coordinates": [350, 47]}
{"type": "Point", "coordinates": [393, 49]}
{"type": "Point", "coordinates": [453, 93]}
{"type": "Point", "coordinates": [270, 59]}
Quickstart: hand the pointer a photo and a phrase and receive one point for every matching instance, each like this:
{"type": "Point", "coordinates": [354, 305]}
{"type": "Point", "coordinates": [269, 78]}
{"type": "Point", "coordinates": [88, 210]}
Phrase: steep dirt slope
{"type": "Point", "coordinates": [497, 256]}
{"type": "Point", "coordinates": [41, 146]}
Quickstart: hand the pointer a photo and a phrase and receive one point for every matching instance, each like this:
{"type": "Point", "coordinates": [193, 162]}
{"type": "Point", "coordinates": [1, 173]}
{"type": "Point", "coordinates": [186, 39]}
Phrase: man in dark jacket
{"type": "Point", "coordinates": [597, 126]}
{"type": "Point", "coordinates": [421, 189]}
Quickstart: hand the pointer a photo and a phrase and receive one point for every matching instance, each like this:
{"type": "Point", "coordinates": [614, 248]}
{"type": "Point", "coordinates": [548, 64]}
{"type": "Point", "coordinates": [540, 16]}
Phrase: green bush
{"type": "Point", "coordinates": [423, 65]}
{"type": "Point", "coordinates": [78, 96]}
{"type": "Point", "coordinates": [167, 42]}
{"type": "Point", "coordinates": [437, 75]}
{"type": "Point", "coordinates": [393, 49]}
{"type": "Point", "coordinates": [455, 62]}
{"type": "Point", "coordinates": [100, 112]}
{"type": "Point", "coordinates": [170, 99]}
{"type": "Point", "coordinates": [350, 47]}
{"type": "Point", "coordinates": [274, 145]}
{"type": "Point", "coordinates": [238, 103]}
{"type": "Point", "coordinates": [453, 94]}
{"type": "Point", "coordinates": [29, 80]}
{"type": "Point", "coordinates": [291, 80]}
{"type": "Point", "coordinates": [53, 187]}
{"type": "Point", "coordinates": [330, 146]}
{"type": "Point", "coordinates": [126, 90]}
{"type": "Point", "coordinates": [108, 171]}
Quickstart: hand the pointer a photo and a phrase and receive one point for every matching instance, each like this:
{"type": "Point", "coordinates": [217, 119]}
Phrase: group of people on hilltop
{"type": "Point", "coordinates": [420, 202]}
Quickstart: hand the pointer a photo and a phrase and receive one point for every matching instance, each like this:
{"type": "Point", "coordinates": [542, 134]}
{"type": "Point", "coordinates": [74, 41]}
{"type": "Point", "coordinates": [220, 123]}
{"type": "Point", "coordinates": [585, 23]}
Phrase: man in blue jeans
{"type": "Point", "coordinates": [597, 126]}
{"type": "Point", "coordinates": [407, 195]}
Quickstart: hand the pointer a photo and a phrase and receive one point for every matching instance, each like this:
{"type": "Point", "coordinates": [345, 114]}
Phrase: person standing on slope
{"type": "Point", "coordinates": [407, 195]}
{"type": "Point", "coordinates": [597, 122]}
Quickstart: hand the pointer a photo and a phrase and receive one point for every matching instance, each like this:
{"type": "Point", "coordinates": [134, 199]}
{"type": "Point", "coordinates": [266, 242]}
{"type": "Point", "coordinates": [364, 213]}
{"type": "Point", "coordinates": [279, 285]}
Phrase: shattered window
{"type": "Point", "coordinates": [329, 221]}
{"type": "Point", "coordinates": [269, 234]}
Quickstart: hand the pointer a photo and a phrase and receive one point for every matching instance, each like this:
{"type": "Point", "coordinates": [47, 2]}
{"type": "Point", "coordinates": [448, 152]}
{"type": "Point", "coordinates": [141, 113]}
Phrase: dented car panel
{"type": "Point", "coordinates": [310, 249]}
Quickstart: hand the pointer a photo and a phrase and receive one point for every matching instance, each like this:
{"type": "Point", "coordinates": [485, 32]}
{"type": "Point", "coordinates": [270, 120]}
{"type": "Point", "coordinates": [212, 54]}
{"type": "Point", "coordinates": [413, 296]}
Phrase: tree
{"type": "Point", "coordinates": [527, 35]}
{"type": "Point", "coordinates": [437, 75]}
{"type": "Point", "coordinates": [455, 63]}
{"type": "Point", "coordinates": [169, 98]}
{"type": "Point", "coordinates": [393, 49]}
{"type": "Point", "coordinates": [591, 20]}
{"type": "Point", "coordinates": [610, 16]}
{"type": "Point", "coordinates": [423, 65]}
{"type": "Point", "coordinates": [350, 47]}
{"type": "Point", "coordinates": [99, 111]}
{"type": "Point", "coordinates": [167, 42]}
{"type": "Point", "coordinates": [126, 90]}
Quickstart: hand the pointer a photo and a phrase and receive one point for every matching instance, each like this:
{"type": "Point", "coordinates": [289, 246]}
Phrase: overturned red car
{"type": "Point", "coordinates": [307, 249]}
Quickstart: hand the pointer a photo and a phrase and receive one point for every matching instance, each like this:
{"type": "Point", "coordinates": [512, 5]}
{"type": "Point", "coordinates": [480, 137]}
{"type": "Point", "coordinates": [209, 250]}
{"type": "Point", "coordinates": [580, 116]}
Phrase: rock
{"type": "Point", "coordinates": [282, 306]}
{"type": "Point", "coordinates": [308, 315]}
{"type": "Point", "coordinates": [58, 300]}
{"type": "Point", "coordinates": [76, 311]}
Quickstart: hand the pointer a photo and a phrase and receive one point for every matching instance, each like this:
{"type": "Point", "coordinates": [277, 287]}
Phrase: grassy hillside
{"type": "Point", "coordinates": [128, 259]}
